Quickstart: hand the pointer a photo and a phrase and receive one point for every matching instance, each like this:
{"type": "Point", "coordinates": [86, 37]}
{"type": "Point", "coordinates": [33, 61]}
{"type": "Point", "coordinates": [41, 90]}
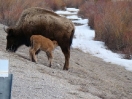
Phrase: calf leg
{"type": "Point", "coordinates": [33, 51]}
{"type": "Point", "coordinates": [32, 55]}
{"type": "Point", "coordinates": [36, 53]}
{"type": "Point", "coordinates": [50, 56]}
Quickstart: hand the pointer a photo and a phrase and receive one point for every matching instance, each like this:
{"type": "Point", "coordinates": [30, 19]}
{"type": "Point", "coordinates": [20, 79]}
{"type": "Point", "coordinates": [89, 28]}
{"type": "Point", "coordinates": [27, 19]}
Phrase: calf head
{"type": "Point", "coordinates": [55, 44]}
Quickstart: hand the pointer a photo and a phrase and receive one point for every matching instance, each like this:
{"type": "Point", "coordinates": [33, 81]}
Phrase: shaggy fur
{"type": "Point", "coordinates": [38, 21]}
{"type": "Point", "coordinates": [38, 43]}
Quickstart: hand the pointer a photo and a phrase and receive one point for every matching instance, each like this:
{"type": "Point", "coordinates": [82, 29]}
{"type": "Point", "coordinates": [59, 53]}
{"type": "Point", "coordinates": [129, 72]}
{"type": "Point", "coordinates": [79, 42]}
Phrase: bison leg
{"type": "Point", "coordinates": [66, 52]}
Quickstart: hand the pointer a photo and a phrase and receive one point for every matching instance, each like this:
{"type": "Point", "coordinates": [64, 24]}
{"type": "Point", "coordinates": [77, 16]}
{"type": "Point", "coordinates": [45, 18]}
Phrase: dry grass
{"type": "Point", "coordinates": [74, 3]}
{"type": "Point", "coordinates": [11, 9]}
{"type": "Point", "coordinates": [112, 23]}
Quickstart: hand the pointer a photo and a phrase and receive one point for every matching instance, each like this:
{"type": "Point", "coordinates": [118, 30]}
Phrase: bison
{"type": "Point", "coordinates": [38, 43]}
{"type": "Point", "coordinates": [39, 21]}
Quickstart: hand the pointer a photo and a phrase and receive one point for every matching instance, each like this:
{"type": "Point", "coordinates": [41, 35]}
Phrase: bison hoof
{"type": "Point", "coordinates": [65, 68]}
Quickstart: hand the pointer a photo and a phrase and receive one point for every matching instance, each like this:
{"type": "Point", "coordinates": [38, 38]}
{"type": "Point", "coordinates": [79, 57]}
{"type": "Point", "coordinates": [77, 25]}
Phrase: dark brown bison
{"type": "Point", "coordinates": [38, 21]}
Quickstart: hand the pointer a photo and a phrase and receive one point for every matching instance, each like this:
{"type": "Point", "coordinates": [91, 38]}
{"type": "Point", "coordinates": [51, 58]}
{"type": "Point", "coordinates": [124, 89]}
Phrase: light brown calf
{"type": "Point", "coordinates": [38, 43]}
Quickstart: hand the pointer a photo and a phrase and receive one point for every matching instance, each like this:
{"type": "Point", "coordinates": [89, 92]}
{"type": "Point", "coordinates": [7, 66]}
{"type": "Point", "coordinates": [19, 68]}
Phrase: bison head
{"type": "Point", "coordinates": [13, 41]}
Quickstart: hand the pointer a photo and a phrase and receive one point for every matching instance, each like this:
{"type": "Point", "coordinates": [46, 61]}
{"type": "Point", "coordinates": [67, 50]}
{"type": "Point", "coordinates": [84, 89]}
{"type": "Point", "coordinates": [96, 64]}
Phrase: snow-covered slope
{"type": "Point", "coordinates": [84, 40]}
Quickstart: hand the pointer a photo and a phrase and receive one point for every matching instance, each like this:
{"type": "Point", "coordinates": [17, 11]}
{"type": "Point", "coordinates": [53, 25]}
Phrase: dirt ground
{"type": "Point", "coordinates": [89, 77]}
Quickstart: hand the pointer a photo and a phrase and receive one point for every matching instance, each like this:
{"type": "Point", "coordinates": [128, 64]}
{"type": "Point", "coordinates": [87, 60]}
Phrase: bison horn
{"type": "Point", "coordinates": [5, 29]}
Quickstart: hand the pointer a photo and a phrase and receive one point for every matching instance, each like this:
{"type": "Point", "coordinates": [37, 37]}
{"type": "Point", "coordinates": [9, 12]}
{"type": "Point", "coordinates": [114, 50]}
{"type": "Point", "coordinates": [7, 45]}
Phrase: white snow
{"type": "Point", "coordinates": [84, 40]}
{"type": "Point", "coordinates": [72, 9]}
{"type": "Point", "coordinates": [65, 12]}
{"type": "Point", "coordinates": [81, 21]}
{"type": "Point", "coordinates": [74, 17]}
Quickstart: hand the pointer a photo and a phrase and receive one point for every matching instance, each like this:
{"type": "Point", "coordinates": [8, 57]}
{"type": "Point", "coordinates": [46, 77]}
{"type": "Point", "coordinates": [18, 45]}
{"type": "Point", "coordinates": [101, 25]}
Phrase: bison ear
{"type": "Point", "coordinates": [5, 28]}
{"type": "Point", "coordinates": [9, 31]}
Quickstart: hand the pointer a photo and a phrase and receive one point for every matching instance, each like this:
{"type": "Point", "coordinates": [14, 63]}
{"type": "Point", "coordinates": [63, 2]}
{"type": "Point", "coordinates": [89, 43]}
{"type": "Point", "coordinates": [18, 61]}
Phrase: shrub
{"type": "Point", "coordinates": [88, 10]}
{"type": "Point", "coordinates": [112, 23]}
{"type": "Point", "coordinates": [11, 9]}
{"type": "Point", "coordinates": [55, 4]}
{"type": "Point", "coordinates": [74, 3]}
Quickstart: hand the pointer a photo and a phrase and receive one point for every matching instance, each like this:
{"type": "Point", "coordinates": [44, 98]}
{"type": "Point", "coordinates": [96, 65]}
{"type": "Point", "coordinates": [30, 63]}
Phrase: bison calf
{"type": "Point", "coordinates": [38, 43]}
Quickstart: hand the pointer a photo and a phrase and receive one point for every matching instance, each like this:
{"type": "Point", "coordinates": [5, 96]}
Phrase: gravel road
{"type": "Point", "coordinates": [89, 77]}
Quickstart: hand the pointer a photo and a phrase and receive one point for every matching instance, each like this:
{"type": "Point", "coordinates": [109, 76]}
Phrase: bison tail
{"type": "Point", "coordinates": [71, 37]}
